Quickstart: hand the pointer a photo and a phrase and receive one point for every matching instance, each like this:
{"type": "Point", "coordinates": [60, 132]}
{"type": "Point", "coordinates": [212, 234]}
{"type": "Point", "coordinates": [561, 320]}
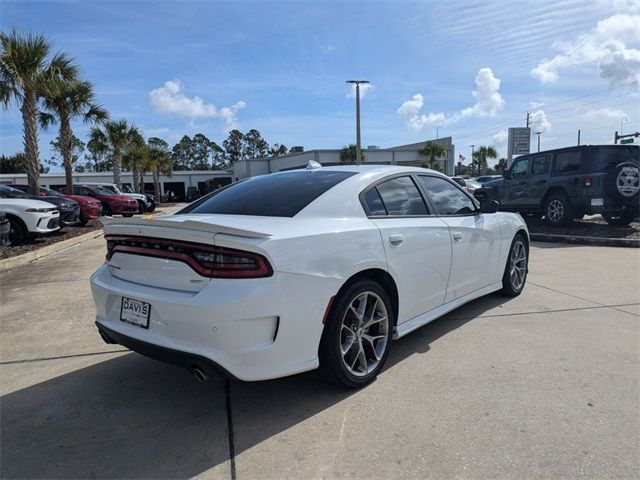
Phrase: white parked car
{"type": "Point", "coordinates": [29, 218]}
{"type": "Point", "coordinates": [296, 270]}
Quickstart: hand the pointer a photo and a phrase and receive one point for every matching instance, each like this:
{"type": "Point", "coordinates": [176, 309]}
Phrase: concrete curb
{"type": "Point", "coordinates": [19, 260]}
{"type": "Point", "coordinates": [577, 239]}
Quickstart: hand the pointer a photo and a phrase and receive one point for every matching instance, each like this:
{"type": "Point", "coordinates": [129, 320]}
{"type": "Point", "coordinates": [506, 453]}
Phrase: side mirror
{"type": "Point", "coordinates": [489, 206]}
{"type": "Point", "coordinates": [506, 174]}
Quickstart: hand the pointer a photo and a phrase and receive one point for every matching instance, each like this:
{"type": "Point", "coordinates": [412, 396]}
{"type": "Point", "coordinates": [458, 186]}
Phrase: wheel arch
{"type": "Point", "coordinates": [551, 191]}
{"type": "Point", "coordinates": [384, 279]}
{"type": "Point", "coordinates": [14, 217]}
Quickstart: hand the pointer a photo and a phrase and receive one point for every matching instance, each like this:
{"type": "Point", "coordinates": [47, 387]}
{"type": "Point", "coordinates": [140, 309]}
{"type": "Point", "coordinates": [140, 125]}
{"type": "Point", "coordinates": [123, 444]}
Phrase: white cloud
{"type": "Point", "coordinates": [539, 122]}
{"type": "Point", "coordinates": [499, 140]}
{"type": "Point", "coordinates": [230, 114]}
{"type": "Point", "coordinates": [488, 103]}
{"type": "Point", "coordinates": [366, 91]}
{"type": "Point", "coordinates": [171, 100]}
{"type": "Point", "coordinates": [613, 46]}
{"type": "Point", "coordinates": [536, 104]}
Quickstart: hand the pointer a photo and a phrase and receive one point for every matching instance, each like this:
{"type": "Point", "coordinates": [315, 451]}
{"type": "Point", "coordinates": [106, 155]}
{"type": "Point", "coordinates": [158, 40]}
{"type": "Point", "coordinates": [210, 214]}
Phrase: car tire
{"type": "Point", "coordinates": [619, 219]}
{"type": "Point", "coordinates": [558, 211]}
{"type": "Point", "coordinates": [151, 208]}
{"type": "Point", "coordinates": [517, 267]}
{"type": "Point", "coordinates": [106, 210]}
{"type": "Point", "coordinates": [17, 232]}
{"type": "Point", "coordinates": [352, 353]}
{"type": "Point", "coordinates": [142, 207]}
{"type": "Point", "coordinates": [127, 215]}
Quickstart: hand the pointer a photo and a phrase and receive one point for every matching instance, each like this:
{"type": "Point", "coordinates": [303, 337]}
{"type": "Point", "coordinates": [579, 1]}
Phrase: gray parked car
{"type": "Point", "coordinates": [568, 183]}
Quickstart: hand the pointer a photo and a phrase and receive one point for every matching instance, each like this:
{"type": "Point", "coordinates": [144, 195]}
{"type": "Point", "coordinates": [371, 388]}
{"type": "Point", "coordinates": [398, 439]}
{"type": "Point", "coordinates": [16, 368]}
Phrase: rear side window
{"type": "Point", "coordinates": [281, 195]}
{"type": "Point", "coordinates": [401, 197]}
{"type": "Point", "coordinates": [448, 199]}
{"type": "Point", "coordinates": [567, 162]}
{"type": "Point", "coordinates": [374, 203]}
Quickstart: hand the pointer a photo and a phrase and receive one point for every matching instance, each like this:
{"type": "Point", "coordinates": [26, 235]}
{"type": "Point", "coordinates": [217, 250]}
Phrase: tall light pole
{"type": "Point", "coordinates": [358, 150]}
{"type": "Point", "coordinates": [623, 119]}
{"type": "Point", "coordinates": [538, 134]}
{"type": "Point", "coordinates": [472, 152]}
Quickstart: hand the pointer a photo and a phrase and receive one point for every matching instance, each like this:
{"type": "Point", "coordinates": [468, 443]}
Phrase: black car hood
{"type": "Point", "coordinates": [493, 183]}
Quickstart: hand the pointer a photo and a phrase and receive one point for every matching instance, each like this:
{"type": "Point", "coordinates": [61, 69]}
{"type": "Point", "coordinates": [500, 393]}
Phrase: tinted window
{"type": "Point", "coordinates": [520, 167]}
{"type": "Point", "coordinates": [402, 197]}
{"type": "Point", "coordinates": [280, 195]}
{"type": "Point", "coordinates": [568, 162]}
{"type": "Point", "coordinates": [541, 165]}
{"type": "Point", "coordinates": [374, 203]}
{"type": "Point", "coordinates": [448, 199]}
{"type": "Point", "coordinates": [605, 158]}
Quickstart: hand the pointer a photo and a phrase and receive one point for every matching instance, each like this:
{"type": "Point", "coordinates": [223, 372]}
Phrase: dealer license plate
{"type": "Point", "coordinates": [135, 312]}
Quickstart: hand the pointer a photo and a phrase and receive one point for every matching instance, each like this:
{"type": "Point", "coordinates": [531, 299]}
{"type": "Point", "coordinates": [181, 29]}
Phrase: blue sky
{"type": "Point", "coordinates": [182, 67]}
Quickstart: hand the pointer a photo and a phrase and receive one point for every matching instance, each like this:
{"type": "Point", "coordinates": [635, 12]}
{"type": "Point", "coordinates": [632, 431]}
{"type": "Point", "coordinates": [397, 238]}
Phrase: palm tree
{"type": "Point", "coordinates": [114, 138]}
{"type": "Point", "coordinates": [433, 151]}
{"type": "Point", "coordinates": [136, 159]}
{"type": "Point", "coordinates": [348, 154]}
{"type": "Point", "coordinates": [63, 104]}
{"type": "Point", "coordinates": [27, 71]}
{"type": "Point", "coordinates": [160, 162]}
{"type": "Point", "coordinates": [480, 156]}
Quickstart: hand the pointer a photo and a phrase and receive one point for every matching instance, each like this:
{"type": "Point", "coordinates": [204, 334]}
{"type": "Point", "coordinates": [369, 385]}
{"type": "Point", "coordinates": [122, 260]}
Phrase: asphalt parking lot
{"type": "Point", "coordinates": [545, 385]}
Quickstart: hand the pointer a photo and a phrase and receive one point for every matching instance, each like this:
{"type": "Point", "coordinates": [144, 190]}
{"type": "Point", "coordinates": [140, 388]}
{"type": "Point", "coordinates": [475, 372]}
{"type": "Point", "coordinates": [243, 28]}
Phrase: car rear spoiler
{"type": "Point", "coordinates": [187, 224]}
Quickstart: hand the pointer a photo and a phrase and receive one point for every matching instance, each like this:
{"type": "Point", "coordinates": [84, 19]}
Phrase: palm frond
{"type": "Point", "coordinates": [46, 120]}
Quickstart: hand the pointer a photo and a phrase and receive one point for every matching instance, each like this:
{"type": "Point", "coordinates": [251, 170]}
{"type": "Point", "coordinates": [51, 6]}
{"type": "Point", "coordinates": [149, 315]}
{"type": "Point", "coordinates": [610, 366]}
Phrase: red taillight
{"type": "Point", "coordinates": [207, 260]}
{"type": "Point", "coordinates": [587, 181]}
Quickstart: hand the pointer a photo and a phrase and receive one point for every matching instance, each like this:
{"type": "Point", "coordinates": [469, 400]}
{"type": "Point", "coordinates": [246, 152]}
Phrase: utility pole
{"type": "Point", "coordinates": [615, 138]}
{"type": "Point", "coordinates": [578, 136]}
{"type": "Point", "coordinates": [472, 152]}
{"type": "Point", "coordinates": [538, 134]}
{"type": "Point", "coordinates": [527, 119]}
{"type": "Point", "coordinates": [358, 147]}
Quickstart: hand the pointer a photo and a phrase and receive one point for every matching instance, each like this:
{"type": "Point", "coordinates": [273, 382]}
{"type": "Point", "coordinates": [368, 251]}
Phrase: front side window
{"type": "Point", "coordinates": [541, 165]}
{"type": "Point", "coordinates": [568, 162]}
{"type": "Point", "coordinates": [278, 195]}
{"type": "Point", "coordinates": [448, 199]}
{"type": "Point", "coordinates": [520, 168]}
{"type": "Point", "coordinates": [401, 197]}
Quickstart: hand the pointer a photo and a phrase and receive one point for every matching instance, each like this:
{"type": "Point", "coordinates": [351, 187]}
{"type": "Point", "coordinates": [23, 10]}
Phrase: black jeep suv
{"type": "Point", "coordinates": [568, 183]}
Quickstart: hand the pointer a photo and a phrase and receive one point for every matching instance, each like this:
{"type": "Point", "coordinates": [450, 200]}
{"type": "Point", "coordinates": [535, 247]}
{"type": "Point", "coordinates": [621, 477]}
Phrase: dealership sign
{"type": "Point", "coordinates": [519, 140]}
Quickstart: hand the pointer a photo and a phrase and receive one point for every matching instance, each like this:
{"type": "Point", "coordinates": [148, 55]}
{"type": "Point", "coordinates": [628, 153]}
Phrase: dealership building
{"type": "Point", "coordinates": [407, 155]}
{"type": "Point", "coordinates": [208, 180]}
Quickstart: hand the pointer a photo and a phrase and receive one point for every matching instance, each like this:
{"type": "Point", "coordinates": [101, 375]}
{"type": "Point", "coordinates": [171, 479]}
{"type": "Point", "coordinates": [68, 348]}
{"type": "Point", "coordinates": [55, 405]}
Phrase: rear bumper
{"type": "Point", "coordinates": [590, 204]}
{"type": "Point", "coordinates": [253, 329]}
{"type": "Point", "coordinates": [166, 355]}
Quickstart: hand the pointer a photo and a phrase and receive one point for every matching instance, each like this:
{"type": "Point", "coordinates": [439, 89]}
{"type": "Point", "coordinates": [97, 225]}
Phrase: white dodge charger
{"type": "Point", "coordinates": [314, 268]}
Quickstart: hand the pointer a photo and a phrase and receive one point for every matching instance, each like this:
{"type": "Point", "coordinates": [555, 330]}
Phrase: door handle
{"type": "Point", "coordinates": [457, 236]}
{"type": "Point", "coordinates": [396, 239]}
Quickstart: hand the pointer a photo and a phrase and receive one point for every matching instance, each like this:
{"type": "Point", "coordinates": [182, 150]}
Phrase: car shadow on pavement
{"type": "Point", "coordinates": [132, 417]}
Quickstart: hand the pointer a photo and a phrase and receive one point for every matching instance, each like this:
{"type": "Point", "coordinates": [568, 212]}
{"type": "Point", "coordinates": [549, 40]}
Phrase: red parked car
{"type": "Point", "coordinates": [111, 204]}
{"type": "Point", "coordinates": [90, 208]}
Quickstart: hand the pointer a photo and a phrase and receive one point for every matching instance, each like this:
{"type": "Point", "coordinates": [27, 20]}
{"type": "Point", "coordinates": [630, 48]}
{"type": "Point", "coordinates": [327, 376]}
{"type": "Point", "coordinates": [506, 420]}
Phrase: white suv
{"type": "Point", "coordinates": [29, 217]}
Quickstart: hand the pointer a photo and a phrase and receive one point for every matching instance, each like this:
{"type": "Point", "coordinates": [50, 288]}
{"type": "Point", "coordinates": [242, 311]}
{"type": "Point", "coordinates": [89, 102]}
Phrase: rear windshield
{"type": "Point", "coordinates": [281, 195]}
{"type": "Point", "coordinates": [605, 158]}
